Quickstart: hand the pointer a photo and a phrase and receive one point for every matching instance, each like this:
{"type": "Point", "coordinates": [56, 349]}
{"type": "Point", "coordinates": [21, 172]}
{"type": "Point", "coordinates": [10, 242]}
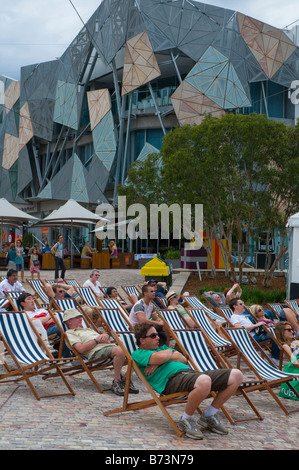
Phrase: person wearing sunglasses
{"type": "Point", "coordinates": [166, 370]}
{"type": "Point", "coordinates": [144, 311]}
{"type": "Point", "coordinates": [285, 336]}
{"type": "Point", "coordinates": [260, 315]}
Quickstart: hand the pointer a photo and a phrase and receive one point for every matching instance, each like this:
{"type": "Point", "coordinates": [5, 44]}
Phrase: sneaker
{"type": "Point", "coordinates": [132, 388]}
{"type": "Point", "coordinates": [212, 423]}
{"type": "Point", "coordinates": [189, 427]}
{"type": "Point", "coordinates": [118, 388]}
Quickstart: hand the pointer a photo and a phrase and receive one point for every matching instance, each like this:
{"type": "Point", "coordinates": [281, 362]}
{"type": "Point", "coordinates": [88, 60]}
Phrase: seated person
{"type": "Point", "coordinates": [166, 370]}
{"type": "Point", "coordinates": [144, 311]}
{"type": "Point", "coordinates": [26, 304]}
{"type": "Point", "coordinates": [59, 290]}
{"type": "Point", "coordinates": [173, 304]}
{"type": "Point", "coordinates": [113, 294]}
{"type": "Point", "coordinates": [160, 291]}
{"type": "Point", "coordinates": [94, 283]}
{"type": "Point", "coordinates": [287, 314]}
{"type": "Point", "coordinates": [260, 315]}
{"type": "Point", "coordinates": [10, 284]}
{"type": "Point", "coordinates": [217, 299]}
{"type": "Point", "coordinates": [285, 336]}
{"type": "Point", "coordinates": [92, 345]}
{"type": "Point", "coordinates": [234, 292]}
{"type": "Point", "coordinates": [86, 251]}
{"type": "Point", "coordinates": [241, 319]}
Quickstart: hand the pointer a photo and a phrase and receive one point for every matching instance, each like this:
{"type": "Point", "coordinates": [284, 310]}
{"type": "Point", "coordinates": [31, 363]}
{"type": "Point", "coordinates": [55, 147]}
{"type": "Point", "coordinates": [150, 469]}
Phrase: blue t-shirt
{"type": "Point", "coordinates": [158, 380]}
{"type": "Point", "coordinates": [58, 248]}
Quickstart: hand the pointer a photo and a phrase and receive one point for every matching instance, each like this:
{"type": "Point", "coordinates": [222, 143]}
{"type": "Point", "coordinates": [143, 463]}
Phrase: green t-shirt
{"type": "Point", "coordinates": [159, 378]}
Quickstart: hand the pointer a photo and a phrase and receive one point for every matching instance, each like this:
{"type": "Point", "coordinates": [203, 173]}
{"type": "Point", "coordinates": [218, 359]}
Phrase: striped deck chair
{"type": "Point", "coordinates": [113, 303]}
{"type": "Point", "coordinates": [113, 319]}
{"type": "Point", "coordinates": [127, 342]}
{"type": "Point", "coordinates": [4, 303]}
{"type": "Point", "coordinates": [173, 319]}
{"type": "Point", "coordinates": [200, 318]}
{"type": "Point", "coordinates": [29, 354]}
{"type": "Point", "coordinates": [82, 364]}
{"type": "Point", "coordinates": [13, 300]}
{"type": "Point", "coordinates": [269, 376]}
{"type": "Point", "coordinates": [293, 305]}
{"type": "Point", "coordinates": [225, 312]}
{"type": "Point", "coordinates": [88, 296]}
{"type": "Point", "coordinates": [193, 302]}
{"type": "Point", "coordinates": [38, 288]}
{"type": "Point", "coordinates": [64, 304]}
{"type": "Point", "coordinates": [276, 309]}
{"type": "Point", "coordinates": [196, 347]}
{"type": "Point", "coordinates": [129, 290]}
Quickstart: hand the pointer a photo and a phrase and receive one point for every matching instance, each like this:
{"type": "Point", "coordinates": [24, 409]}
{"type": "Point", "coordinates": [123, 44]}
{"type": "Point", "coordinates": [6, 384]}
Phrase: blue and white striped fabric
{"type": "Point", "coordinates": [172, 317]}
{"type": "Point", "coordinates": [114, 304]}
{"type": "Point", "coordinates": [276, 307]}
{"type": "Point", "coordinates": [65, 304]}
{"type": "Point", "coordinates": [37, 286]}
{"type": "Point", "coordinates": [72, 282]}
{"type": "Point", "coordinates": [129, 290]}
{"type": "Point", "coordinates": [128, 340]}
{"type": "Point", "coordinates": [263, 368]}
{"type": "Point", "coordinates": [195, 303]}
{"type": "Point", "coordinates": [201, 317]}
{"type": "Point", "coordinates": [227, 312]}
{"type": "Point", "coordinates": [115, 320]}
{"type": "Point", "coordinates": [294, 305]}
{"type": "Point", "coordinates": [21, 338]}
{"type": "Point", "coordinates": [196, 347]}
{"type": "Point", "coordinates": [88, 296]}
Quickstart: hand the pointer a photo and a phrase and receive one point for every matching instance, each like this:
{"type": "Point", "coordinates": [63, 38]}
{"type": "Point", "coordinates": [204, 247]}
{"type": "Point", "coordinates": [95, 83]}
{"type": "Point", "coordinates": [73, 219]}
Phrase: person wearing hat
{"type": "Point", "coordinates": [92, 345]}
{"type": "Point", "coordinates": [173, 304]}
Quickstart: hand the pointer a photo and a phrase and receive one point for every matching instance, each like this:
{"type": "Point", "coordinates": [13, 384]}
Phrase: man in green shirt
{"type": "Point", "coordinates": [166, 370]}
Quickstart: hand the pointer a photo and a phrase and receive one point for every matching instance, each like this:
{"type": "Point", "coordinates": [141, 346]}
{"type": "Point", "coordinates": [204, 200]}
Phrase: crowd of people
{"type": "Point", "coordinates": [165, 368]}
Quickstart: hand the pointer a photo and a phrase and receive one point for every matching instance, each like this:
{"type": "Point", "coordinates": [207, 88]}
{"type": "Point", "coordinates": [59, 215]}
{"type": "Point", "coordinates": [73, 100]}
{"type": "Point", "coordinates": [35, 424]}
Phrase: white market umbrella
{"type": "Point", "coordinates": [12, 216]}
{"type": "Point", "coordinates": [71, 213]}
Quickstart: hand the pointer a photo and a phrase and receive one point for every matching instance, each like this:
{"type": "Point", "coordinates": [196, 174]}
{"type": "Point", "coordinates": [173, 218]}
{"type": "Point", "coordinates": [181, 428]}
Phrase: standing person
{"type": "Point", "coordinates": [20, 258]}
{"type": "Point", "coordinates": [57, 251]}
{"type": "Point", "coordinates": [11, 255]}
{"type": "Point", "coordinates": [34, 264]}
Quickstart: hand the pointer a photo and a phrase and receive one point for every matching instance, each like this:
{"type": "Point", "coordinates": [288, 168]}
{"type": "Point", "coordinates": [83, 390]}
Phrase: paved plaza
{"type": "Point", "coordinates": [77, 423]}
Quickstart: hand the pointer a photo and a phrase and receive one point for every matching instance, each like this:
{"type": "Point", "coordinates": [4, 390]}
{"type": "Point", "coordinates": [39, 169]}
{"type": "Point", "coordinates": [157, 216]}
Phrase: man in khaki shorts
{"type": "Point", "coordinates": [166, 370]}
{"type": "Point", "coordinates": [92, 345]}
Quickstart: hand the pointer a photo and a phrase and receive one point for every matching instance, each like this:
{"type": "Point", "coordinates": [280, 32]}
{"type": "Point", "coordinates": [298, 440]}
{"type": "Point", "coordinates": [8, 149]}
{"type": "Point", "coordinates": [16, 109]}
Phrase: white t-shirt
{"type": "Point", "coordinates": [5, 286]}
{"type": "Point", "coordinates": [242, 320]}
{"type": "Point", "coordinates": [96, 288]}
{"type": "Point", "coordinates": [141, 306]}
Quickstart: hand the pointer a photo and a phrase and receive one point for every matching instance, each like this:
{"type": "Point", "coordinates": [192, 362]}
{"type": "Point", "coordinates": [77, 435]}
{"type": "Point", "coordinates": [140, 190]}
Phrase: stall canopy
{"type": "Point", "coordinates": [71, 214]}
{"type": "Point", "coordinates": [12, 216]}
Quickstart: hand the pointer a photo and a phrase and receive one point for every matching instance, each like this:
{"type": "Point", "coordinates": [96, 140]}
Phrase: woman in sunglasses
{"type": "Point", "coordinates": [285, 336]}
{"type": "Point", "coordinates": [259, 315]}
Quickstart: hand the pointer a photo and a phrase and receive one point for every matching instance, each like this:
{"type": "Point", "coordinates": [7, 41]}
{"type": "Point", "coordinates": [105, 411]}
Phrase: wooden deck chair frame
{"type": "Point", "coordinates": [243, 343]}
{"type": "Point", "coordinates": [161, 401]}
{"type": "Point", "coordinates": [12, 298]}
{"type": "Point", "coordinates": [85, 365]}
{"type": "Point", "coordinates": [24, 341]}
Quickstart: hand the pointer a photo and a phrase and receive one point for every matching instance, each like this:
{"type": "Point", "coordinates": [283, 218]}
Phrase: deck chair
{"type": "Point", "coordinates": [12, 298]}
{"type": "Point", "coordinates": [196, 346]}
{"type": "Point", "coordinates": [129, 290]}
{"type": "Point", "coordinates": [202, 321]}
{"type": "Point", "coordinates": [28, 352]}
{"type": "Point", "coordinates": [4, 303]}
{"type": "Point", "coordinates": [113, 303]}
{"type": "Point", "coordinates": [293, 305]}
{"type": "Point", "coordinates": [82, 365]}
{"type": "Point", "coordinates": [193, 302]}
{"type": "Point", "coordinates": [38, 288]}
{"type": "Point", "coordinates": [127, 342]}
{"type": "Point", "coordinates": [276, 309]}
{"type": "Point", "coordinates": [225, 312]}
{"type": "Point", "coordinates": [113, 319]}
{"type": "Point", "coordinates": [64, 304]}
{"type": "Point", "coordinates": [88, 296]}
{"type": "Point", "coordinates": [269, 376]}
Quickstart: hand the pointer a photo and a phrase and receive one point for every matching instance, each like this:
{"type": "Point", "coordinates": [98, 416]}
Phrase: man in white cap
{"type": "Point", "coordinates": [92, 345]}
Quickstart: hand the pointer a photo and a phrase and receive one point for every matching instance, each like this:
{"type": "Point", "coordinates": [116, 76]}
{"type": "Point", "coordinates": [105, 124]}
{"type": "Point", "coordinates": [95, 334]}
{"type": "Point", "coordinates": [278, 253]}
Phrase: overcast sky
{"type": "Point", "coordinates": [34, 31]}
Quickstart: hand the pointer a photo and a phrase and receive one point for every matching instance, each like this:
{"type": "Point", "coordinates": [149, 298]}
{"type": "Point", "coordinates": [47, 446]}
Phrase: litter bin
{"type": "Point", "coordinates": [159, 270]}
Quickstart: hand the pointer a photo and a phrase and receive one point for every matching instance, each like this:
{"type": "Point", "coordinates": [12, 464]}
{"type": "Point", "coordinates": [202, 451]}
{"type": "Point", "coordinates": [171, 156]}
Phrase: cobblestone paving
{"type": "Point", "coordinates": [77, 423]}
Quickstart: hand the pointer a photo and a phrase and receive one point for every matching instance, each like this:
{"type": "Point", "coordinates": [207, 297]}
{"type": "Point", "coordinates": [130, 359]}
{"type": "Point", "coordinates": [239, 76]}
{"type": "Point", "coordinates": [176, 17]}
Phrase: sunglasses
{"type": "Point", "coordinates": [60, 291]}
{"type": "Point", "coordinates": [288, 329]}
{"type": "Point", "coordinates": [260, 310]}
{"type": "Point", "coordinates": [153, 336]}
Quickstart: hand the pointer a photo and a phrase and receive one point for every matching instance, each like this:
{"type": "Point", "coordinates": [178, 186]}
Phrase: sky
{"type": "Point", "coordinates": [34, 31]}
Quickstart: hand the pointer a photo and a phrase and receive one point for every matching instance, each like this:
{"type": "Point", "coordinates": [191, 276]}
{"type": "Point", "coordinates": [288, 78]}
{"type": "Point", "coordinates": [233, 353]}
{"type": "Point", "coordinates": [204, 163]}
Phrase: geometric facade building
{"type": "Point", "coordinates": [71, 128]}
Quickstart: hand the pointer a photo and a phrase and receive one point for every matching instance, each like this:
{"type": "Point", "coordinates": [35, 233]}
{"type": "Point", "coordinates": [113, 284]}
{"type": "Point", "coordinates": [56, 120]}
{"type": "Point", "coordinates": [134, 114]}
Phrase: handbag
{"type": "Point", "coordinates": [285, 391]}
